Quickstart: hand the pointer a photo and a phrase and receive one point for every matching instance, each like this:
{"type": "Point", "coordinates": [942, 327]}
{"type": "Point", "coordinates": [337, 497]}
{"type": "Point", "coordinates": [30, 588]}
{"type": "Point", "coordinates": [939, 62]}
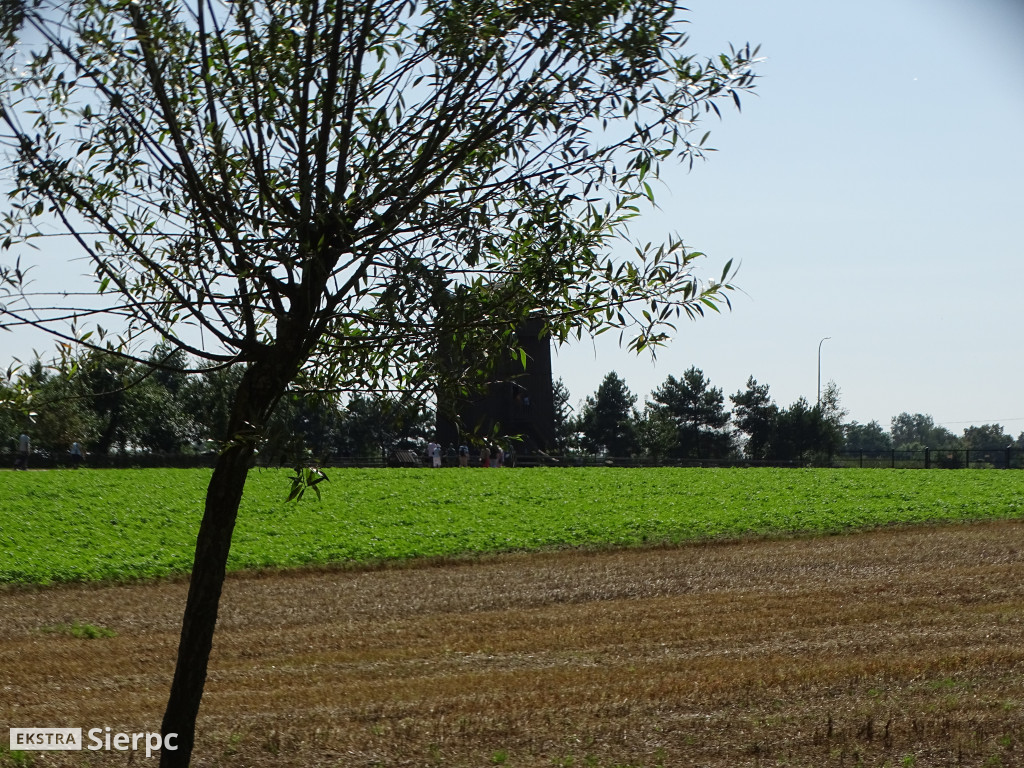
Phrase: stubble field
{"type": "Point", "coordinates": [898, 647]}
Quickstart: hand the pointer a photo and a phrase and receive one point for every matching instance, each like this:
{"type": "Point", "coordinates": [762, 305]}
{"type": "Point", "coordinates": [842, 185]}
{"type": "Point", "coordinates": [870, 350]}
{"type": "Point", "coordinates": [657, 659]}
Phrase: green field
{"type": "Point", "coordinates": [62, 526]}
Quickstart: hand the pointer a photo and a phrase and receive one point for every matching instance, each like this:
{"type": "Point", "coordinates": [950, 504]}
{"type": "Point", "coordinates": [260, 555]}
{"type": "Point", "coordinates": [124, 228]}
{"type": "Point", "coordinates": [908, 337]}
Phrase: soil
{"type": "Point", "coordinates": [899, 647]}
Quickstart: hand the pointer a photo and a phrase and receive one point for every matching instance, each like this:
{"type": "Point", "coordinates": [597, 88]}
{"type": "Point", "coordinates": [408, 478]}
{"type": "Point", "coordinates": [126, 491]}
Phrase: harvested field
{"type": "Point", "coordinates": [900, 647]}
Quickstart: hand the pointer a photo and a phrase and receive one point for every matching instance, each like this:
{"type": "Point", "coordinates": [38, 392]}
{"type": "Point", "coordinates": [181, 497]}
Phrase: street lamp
{"type": "Point", "coordinates": [819, 368]}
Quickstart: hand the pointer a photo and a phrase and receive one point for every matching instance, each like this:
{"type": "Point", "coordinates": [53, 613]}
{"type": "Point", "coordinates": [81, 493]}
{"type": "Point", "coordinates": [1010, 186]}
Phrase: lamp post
{"type": "Point", "coordinates": [819, 368]}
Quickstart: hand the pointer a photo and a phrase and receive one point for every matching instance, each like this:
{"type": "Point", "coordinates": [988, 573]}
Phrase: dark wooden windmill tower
{"type": "Point", "coordinates": [517, 405]}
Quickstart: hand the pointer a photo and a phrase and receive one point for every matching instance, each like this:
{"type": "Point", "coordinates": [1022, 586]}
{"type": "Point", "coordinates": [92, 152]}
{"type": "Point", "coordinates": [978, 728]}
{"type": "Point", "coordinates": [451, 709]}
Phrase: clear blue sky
{"type": "Point", "coordinates": [873, 192]}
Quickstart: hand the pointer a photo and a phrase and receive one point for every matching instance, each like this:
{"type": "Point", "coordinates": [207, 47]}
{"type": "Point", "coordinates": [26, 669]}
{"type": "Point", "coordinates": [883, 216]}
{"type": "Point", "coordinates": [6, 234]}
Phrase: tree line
{"type": "Point", "coordinates": [116, 406]}
{"type": "Point", "coordinates": [688, 418]}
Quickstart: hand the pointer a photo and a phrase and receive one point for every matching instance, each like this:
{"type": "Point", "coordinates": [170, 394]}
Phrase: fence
{"type": "Point", "coordinates": [927, 458]}
{"type": "Point", "coordinates": [934, 458]}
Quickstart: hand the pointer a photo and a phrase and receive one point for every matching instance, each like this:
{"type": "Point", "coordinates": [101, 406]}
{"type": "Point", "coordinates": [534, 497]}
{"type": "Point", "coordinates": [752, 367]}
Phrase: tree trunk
{"type": "Point", "coordinates": [256, 396]}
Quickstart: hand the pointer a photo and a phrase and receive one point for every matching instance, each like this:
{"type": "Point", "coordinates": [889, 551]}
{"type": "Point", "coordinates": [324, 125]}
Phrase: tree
{"type": "Point", "coordinates": [755, 415]}
{"type": "Point", "coordinates": [697, 412]}
{"type": "Point", "coordinates": [373, 426]}
{"type": "Point", "coordinates": [11, 15]}
{"type": "Point", "coordinates": [799, 431]}
{"type": "Point", "coordinates": [210, 394]}
{"type": "Point", "coordinates": [986, 436]}
{"type": "Point", "coordinates": [915, 431]}
{"type": "Point", "coordinates": [811, 433]}
{"type": "Point", "coordinates": [564, 422]}
{"type": "Point", "coordinates": [831, 412]}
{"type": "Point", "coordinates": [57, 408]}
{"type": "Point", "coordinates": [867, 437]}
{"type": "Point", "coordinates": [327, 194]}
{"type": "Point", "coordinates": [657, 435]}
{"type": "Point", "coordinates": [608, 418]}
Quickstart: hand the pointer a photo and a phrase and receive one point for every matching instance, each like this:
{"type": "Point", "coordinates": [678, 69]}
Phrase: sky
{"type": "Point", "coordinates": [872, 192]}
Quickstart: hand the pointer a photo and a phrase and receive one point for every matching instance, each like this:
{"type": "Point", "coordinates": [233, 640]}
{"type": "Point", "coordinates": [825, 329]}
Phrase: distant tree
{"type": "Point", "coordinates": [58, 406]}
{"type": "Point", "coordinates": [565, 424]}
{"type": "Point", "coordinates": [986, 436]}
{"type": "Point", "coordinates": [830, 404]}
{"type": "Point", "coordinates": [657, 435]}
{"type": "Point", "coordinates": [756, 416]}
{"type": "Point", "coordinates": [158, 404]}
{"type": "Point", "coordinates": [135, 406]}
{"type": "Point", "coordinates": [608, 419]}
{"type": "Point", "coordinates": [697, 411]}
{"type": "Point", "coordinates": [809, 433]}
{"type": "Point", "coordinates": [209, 396]}
{"type": "Point", "coordinates": [305, 428]}
{"type": "Point", "coordinates": [12, 412]}
{"type": "Point", "coordinates": [867, 437]}
{"type": "Point", "coordinates": [918, 430]}
{"type": "Point", "coordinates": [798, 431]}
{"type": "Point", "coordinates": [377, 425]}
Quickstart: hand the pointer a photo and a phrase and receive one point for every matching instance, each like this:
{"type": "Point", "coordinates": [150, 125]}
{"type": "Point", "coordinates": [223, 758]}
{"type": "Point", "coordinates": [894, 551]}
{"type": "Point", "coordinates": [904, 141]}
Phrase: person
{"type": "Point", "coordinates": [485, 456]}
{"type": "Point", "coordinates": [434, 452]}
{"type": "Point", "coordinates": [77, 455]}
{"type": "Point", "coordinates": [24, 449]}
{"type": "Point", "coordinates": [463, 455]}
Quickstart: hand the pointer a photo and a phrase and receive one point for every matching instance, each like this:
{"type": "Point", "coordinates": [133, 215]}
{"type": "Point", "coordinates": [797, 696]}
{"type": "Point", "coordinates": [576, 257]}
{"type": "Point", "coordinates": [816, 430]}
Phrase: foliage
{"type": "Point", "coordinates": [304, 479]}
{"type": "Point", "coordinates": [657, 436]}
{"type": "Point", "coordinates": [696, 412]}
{"type": "Point", "coordinates": [866, 437]}
{"type": "Point", "coordinates": [472, 171]}
{"type": "Point", "coordinates": [11, 15]}
{"type": "Point", "coordinates": [564, 427]}
{"type": "Point", "coordinates": [111, 404]}
{"type": "Point", "coordinates": [918, 430]}
{"type": "Point", "coordinates": [82, 631]}
{"type": "Point", "coordinates": [986, 436]}
{"type": "Point", "coordinates": [756, 416]}
{"type": "Point", "coordinates": [608, 418]}
{"type": "Point", "coordinates": [804, 434]}
{"type": "Point", "coordinates": [138, 524]}
{"type": "Point", "coordinates": [379, 425]}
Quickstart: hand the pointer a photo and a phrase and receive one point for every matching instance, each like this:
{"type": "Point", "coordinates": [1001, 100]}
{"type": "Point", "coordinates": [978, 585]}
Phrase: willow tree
{"type": "Point", "coordinates": [328, 192]}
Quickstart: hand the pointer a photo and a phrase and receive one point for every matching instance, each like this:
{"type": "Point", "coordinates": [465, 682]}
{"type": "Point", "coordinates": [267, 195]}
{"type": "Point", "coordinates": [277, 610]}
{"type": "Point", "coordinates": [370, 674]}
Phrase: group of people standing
{"type": "Point", "coordinates": [76, 453]}
{"type": "Point", "coordinates": [489, 456]}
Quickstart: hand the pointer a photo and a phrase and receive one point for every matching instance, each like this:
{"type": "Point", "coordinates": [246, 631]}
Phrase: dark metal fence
{"type": "Point", "coordinates": [927, 458]}
{"type": "Point", "coordinates": [934, 458]}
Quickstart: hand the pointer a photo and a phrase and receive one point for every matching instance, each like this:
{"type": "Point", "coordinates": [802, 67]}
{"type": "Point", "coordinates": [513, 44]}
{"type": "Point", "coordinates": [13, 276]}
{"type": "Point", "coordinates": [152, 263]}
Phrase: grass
{"type": "Point", "coordinates": [123, 525]}
{"type": "Point", "coordinates": [15, 758]}
{"type": "Point", "coordinates": [80, 630]}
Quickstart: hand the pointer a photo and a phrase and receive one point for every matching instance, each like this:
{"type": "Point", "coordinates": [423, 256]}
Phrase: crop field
{"type": "Point", "coordinates": [725, 633]}
{"type": "Point", "coordinates": [897, 647]}
{"type": "Point", "coordinates": [68, 526]}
